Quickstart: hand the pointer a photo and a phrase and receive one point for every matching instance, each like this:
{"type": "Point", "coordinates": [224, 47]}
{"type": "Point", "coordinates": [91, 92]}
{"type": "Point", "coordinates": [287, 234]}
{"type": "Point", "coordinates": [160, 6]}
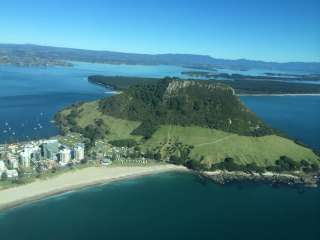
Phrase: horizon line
{"type": "Point", "coordinates": [157, 54]}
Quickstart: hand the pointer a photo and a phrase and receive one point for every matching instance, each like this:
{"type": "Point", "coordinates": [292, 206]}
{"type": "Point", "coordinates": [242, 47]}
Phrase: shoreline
{"type": "Point", "coordinates": [77, 180]}
{"type": "Point", "coordinates": [94, 176]}
{"type": "Point", "coordinates": [223, 177]}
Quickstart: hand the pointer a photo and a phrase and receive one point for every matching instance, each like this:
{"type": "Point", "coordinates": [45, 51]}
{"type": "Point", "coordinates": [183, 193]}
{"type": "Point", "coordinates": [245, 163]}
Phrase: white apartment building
{"type": "Point", "coordinates": [25, 159]}
{"type": "Point", "coordinates": [13, 161]}
{"type": "Point", "coordinates": [64, 156]}
{"type": "Point", "coordinates": [79, 152]}
{"type": "Point", "coordinates": [2, 166]}
{"type": "Point", "coordinates": [26, 154]}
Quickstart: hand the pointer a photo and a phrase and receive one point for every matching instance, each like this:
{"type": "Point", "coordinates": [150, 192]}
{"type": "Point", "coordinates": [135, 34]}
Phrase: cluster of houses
{"type": "Point", "coordinates": [45, 154]}
{"type": "Point", "coordinates": [123, 155]}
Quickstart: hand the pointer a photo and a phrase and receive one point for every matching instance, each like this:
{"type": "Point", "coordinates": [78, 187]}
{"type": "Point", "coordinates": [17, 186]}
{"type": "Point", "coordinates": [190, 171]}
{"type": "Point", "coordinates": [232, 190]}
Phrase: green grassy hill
{"type": "Point", "coordinates": [215, 145]}
{"type": "Point", "coordinates": [180, 135]}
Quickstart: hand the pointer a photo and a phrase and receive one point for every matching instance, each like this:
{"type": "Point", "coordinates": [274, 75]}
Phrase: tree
{"type": "Point", "coordinates": [230, 165]}
{"type": "Point", "coordinates": [287, 164]}
{"type": "Point", "coordinates": [304, 163]}
{"type": "Point", "coordinates": [315, 167]}
{"type": "Point", "coordinates": [124, 143]}
{"type": "Point", "coordinates": [194, 165]}
{"type": "Point", "coordinates": [176, 160]}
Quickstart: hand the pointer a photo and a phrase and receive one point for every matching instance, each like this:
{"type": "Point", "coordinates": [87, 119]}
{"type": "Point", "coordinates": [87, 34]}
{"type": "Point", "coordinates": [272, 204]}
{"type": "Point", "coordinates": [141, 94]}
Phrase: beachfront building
{"type": "Point", "coordinates": [50, 150]}
{"type": "Point", "coordinates": [25, 159]}
{"type": "Point", "coordinates": [12, 161]}
{"type": "Point", "coordinates": [3, 168]}
{"type": "Point", "coordinates": [36, 155]}
{"type": "Point", "coordinates": [2, 151]}
{"type": "Point", "coordinates": [30, 152]}
{"type": "Point", "coordinates": [78, 152]}
{"type": "Point", "coordinates": [64, 156]}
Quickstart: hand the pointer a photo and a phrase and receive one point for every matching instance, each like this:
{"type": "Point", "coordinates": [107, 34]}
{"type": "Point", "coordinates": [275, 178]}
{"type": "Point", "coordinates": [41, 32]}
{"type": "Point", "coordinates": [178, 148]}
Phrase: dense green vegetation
{"type": "Point", "coordinates": [185, 103]}
{"type": "Point", "coordinates": [283, 164]}
{"type": "Point", "coordinates": [118, 82]}
{"type": "Point", "coordinates": [97, 129]}
{"type": "Point", "coordinates": [123, 143]}
{"type": "Point", "coordinates": [272, 87]}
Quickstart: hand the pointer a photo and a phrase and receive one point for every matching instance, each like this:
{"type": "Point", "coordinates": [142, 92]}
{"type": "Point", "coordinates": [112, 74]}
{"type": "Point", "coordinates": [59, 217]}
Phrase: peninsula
{"type": "Point", "coordinates": [202, 125]}
{"type": "Point", "coordinates": [152, 126]}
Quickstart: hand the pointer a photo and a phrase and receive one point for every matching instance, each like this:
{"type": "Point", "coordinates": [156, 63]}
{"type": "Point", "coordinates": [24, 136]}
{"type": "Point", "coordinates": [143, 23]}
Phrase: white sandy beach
{"type": "Point", "coordinates": [74, 180]}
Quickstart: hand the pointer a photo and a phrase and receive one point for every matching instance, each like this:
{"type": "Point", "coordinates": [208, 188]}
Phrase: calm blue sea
{"type": "Point", "coordinates": [164, 206]}
{"type": "Point", "coordinates": [297, 116]}
{"type": "Point", "coordinates": [169, 206]}
{"type": "Point", "coordinates": [30, 96]}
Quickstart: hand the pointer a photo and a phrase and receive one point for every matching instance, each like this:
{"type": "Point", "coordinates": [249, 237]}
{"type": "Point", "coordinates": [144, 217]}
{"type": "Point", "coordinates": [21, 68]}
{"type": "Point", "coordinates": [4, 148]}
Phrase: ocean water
{"type": "Point", "coordinates": [297, 116]}
{"type": "Point", "coordinates": [169, 206]}
{"type": "Point", "coordinates": [30, 96]}
{"type": "Point", "coordinates": [163, 206]}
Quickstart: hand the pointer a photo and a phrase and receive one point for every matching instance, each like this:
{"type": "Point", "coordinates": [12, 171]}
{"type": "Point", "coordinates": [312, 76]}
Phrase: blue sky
{"type": "Point", "coordinates": [271, 30]}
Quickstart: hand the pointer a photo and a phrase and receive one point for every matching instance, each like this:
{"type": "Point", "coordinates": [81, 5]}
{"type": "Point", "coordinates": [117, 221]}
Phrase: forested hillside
{"type": "Point", "coordinates": [185, 103]}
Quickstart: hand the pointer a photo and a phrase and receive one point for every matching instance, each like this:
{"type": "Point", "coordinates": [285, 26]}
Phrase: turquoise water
{"type": "Point", "coordinates": [163, 206]}
{"type": "Point", "coordinates": [169, 206]}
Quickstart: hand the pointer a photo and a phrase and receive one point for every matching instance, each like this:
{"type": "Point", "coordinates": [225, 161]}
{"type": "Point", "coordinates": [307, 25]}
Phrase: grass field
{"type": "Point", "coordinates": [216, 145]}
{"type": "Point", "coordinates": [213, 144]}
{"type": "Point", "coordinates": [119, 128]}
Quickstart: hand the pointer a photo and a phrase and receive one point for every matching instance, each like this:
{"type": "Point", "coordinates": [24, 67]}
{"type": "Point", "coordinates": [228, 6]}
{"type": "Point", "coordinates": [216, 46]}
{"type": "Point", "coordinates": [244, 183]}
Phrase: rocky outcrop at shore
{"type": "Point", "coordinates": [223, 177]}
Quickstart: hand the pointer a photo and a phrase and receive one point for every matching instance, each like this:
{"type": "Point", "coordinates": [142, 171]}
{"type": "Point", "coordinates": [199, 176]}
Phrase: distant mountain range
{"type": "Point", "coordinates": [28, 54]}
